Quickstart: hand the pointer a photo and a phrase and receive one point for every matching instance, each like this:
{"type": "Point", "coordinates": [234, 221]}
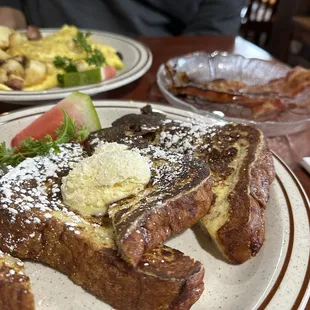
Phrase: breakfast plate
{"type": "Point", "coordinates": [277, 278]}
{"type": "Point", "coordinates": [137, 59]}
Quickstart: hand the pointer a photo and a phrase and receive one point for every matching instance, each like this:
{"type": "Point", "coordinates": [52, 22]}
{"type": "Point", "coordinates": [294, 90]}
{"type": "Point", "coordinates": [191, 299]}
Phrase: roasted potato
{"type": "Point", "coordinates": [4, 55]}
{"type": "Point", "coordinates": [15, 82]}
{"type": "Point", "coordinates": [21, 59]}
{"type": "Point", "coordinates": [33, 33]}
{"type": "Point", "coordinates": [14, 67]}
{"type": "Point", "coordinates": [17, 38]}
{"type": "Point", "coordinates": [3, 76]}
{"type": "Point", "coordinates": [5, 33]}
{"type": "Point", "coordinates": [35, 72]}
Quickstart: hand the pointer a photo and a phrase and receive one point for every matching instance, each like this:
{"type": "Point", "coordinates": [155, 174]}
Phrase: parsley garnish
{"type": "Point", "coordinates": [96, 58]}
{"type": "Point", "coordinates": [29, 147]}
{"type": "Point", "coordinates": [60, 79]}
{"type": "Point", "coordinates": [65, 63]}
{"type": "Point", "coordinates": [81, 40]}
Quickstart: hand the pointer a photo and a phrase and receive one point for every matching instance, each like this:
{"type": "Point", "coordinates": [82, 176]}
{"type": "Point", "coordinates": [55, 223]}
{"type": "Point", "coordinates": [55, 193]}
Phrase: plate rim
{"type": "Point", "coordinates": [304, 292]}
{"type": "Point", "coordinates": [141, 67]}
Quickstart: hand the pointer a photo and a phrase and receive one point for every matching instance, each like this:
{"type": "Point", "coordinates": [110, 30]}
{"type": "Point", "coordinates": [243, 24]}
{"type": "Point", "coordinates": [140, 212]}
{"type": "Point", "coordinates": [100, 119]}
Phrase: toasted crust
{"type": "Point", "coordinates": [156, 227]}
{"type": "Point", "coordinates": [36, 225]}
{"type": "Point", "coordinates": [164, 279]}
{"type": "Point", "coordinates": [15, 291]}
{"type": "Point", "coordinates": [178, 195]}
{"type": "Point", "coordinates": [242, 170]}
{"type": "Point", "coordinates": [242, 235]}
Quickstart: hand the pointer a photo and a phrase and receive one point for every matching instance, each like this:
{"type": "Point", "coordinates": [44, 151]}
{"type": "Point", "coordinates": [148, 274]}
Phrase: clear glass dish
{"type": "Point", "coordinates": [202, 67]}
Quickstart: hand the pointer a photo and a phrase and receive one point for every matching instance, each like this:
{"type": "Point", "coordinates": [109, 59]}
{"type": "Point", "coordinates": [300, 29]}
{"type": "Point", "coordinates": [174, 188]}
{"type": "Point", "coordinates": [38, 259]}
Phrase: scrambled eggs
{"type": "Point", "coordinates": [36, 71]}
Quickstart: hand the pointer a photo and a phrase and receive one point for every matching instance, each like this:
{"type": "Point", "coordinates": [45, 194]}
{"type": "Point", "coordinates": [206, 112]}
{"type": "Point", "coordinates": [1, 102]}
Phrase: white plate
{"type": "Point", "coordinates": [277, 278]}
{"type": "Point", "coordinates": [137, 60]}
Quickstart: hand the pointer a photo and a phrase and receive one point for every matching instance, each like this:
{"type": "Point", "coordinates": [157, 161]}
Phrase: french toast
{"type": "Point", "coordinates": [15, 290]}
{"type": "Point", "coordinates": [35, 224]}
{"type": "Point", "coordinates": [241, 167]}
{"type": "Point", "coordinates": [177, 196]}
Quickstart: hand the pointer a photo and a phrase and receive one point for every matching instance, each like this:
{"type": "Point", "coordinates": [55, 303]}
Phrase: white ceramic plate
{"type": "Point", "coordinates": [277, 278]}
{"type": "Point", "coordinates": [137, 60]}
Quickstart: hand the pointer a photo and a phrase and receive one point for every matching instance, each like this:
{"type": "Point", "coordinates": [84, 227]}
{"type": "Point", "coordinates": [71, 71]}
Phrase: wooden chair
{"type": "Point", "coordinates": [287, 27]}
{"type": "Point", "coordinates": [258, 20]}
{"type": "Point", "coordinates": [301, 30]}
{"type": "Point", "coordinates": [300, 35]}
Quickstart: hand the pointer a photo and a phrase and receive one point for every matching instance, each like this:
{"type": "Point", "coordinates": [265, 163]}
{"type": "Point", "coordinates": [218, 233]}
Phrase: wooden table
{"type": "Point", "coordinates": [291, 147]}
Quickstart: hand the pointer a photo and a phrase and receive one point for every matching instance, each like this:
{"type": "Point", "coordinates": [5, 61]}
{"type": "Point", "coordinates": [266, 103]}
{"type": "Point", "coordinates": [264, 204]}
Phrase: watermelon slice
{"type": "Point", "coordinates": [79, 107]}
{"type": "Point", "coordinates": [107, 72]}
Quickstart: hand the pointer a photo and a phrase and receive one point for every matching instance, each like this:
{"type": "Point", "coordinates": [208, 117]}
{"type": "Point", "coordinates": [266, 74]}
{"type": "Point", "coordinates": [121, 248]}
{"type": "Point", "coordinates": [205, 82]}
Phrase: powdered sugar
{"type": "Point", "coordinates": [25, 187]}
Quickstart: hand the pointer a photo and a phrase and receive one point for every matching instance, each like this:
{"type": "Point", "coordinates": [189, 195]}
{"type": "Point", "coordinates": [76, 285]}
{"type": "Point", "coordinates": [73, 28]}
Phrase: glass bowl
{"type": "Point", "coordinates": [202, 67]}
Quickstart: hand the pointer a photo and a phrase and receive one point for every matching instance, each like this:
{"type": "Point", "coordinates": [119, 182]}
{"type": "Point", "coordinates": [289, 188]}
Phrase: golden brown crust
{"type": "Point", "coordinates": [242, 236]}
{"type": "Point", "coordinates": [177, 196]}
{"type": "Point", "coordinates": [164, 279]}
{"type": "Point", "coordinates": [156, 226]}
{"type": "Point", "coordinates": [15, 291]}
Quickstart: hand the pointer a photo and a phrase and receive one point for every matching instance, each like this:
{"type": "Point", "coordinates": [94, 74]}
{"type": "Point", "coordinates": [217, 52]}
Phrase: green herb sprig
{"type": "Point", "coordinates": [81, 40]}
{"type": "Point", "coordinates": [65, 63]}
{"type": "Point", "coordinates": [94, 56]}
{"type": "Point", "coordinates": [29, 147]}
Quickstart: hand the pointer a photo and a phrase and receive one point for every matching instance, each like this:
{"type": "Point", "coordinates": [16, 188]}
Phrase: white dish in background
{"type": "Point", "coordinates": [137, 60]}
{"type": "Point", "coordinates": [203, 67]}
{"type": "Point", "coordinates": [306, 163]}
{"type": "Point", "coordinates": [277, 278]}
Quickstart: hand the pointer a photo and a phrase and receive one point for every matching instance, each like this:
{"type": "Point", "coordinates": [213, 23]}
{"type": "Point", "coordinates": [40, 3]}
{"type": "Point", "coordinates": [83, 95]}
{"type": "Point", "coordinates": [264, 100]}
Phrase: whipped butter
{"type": "Point", "coordinates": [112, 173]}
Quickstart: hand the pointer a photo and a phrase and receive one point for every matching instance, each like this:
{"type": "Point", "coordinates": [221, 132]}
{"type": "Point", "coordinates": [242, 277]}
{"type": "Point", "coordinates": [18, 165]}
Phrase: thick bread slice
{"type": "Point", "coordinates": [15, 290]}
{"type": "Point", "coordinates": [177, 196]}
{"type": "Point", "coordinates": [241, 167]}
{"type": "Point", "coordinates": [35, 224]}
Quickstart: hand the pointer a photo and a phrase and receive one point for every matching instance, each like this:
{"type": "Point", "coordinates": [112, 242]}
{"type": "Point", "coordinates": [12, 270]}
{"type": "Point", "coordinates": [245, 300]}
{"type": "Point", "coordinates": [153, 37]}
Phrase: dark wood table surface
{"type": "Point", "coordinates": [290, 147]}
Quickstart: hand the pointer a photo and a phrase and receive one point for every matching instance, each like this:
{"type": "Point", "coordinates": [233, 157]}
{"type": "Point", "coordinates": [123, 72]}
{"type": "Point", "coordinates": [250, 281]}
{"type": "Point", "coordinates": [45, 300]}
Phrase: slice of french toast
{"type": "Point", "coordinates": [242, 170]}
{"type": "Point", "coordinates": [15, 290]}
{"type": "Point", "coordinates": [36, 225]}
{"type": "Point", "coordinates": [177, 196]}
{"type": "Point", "coordinates": [241, 167]}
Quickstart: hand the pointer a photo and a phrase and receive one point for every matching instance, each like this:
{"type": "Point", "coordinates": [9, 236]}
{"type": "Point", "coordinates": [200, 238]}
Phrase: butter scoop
{"type": "Point", "coordinates": [112, 173]}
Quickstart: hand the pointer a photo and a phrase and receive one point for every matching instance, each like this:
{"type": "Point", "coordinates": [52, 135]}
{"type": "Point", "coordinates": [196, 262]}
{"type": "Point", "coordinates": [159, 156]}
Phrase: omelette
{"type": "Point", "coordinates": [40, 72]}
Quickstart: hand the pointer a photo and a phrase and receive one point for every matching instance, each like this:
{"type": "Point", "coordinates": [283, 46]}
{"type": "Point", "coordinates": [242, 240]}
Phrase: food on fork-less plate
{"type": "Point", "coordinates": [162, 279]}
{"type": "Point", "coordinates": [113, 173]}
{"type": "Point", "coordinates": [241, 168]}
{"type": "Point", "coordinates": [177, 196]}
{"type": "Point", "coordinates": [79, 106]}
{"type": "Point", "coordinates": [267, 101]}
{"type": "Point", "coordinates": [70, 120]}
{"type": "Point", "coordinates": [15, 290]}
{"type": "Point", "coordinates": [66, 58]}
